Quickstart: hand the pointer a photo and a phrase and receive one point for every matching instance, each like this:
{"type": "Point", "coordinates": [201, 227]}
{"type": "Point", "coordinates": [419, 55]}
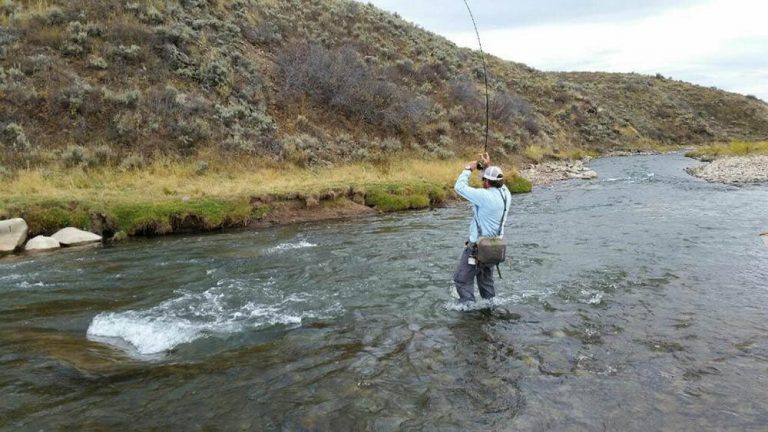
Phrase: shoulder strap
{"type": "Point", "coordinates": [503, 215]}
{"type": "Point", "coordinates": [477, 224]}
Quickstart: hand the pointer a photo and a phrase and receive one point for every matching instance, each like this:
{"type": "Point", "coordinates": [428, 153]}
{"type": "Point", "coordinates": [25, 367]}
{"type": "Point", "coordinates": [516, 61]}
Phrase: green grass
{"type": "Point", "coordinates": [165, 217]}
{"type": "Point", "coordinates": [170, 197]}
{"type": "Point", "coordinates": [48, 216]}
{"type": "Point", "coordinates": [734, 148]}
{"type": "Point", "coordinates": [134, 218]}
{"type": "Point", "coordinates": [397, 197]}
{"type": "Point", "coordinates": [520, 185]}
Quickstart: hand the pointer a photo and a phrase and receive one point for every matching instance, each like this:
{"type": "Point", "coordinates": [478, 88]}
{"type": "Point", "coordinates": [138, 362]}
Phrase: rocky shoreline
{"type": "Point", "coordinates": [735, 170]}
{"type": "Point", "coordinates": [549, 172]}
{"type": "Point", "coordinates": [13, 238]}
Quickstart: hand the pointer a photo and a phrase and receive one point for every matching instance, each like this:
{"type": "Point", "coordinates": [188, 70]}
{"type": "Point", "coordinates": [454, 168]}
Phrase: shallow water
{"type": "Point", "coordinates": [633, 302]}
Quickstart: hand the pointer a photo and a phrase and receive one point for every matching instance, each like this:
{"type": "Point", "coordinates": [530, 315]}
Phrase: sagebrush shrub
{"type": "Point", "coordinates": [131, 54]}
{"type": "Point", "coordinates": [504, 106]}
{"type": "Point", "coordinates": [73, 156]}
{"type": "Point", "coordinates": [8, 7]}
{"type": "Point", "coordinates": [132, 162]}
{"type": "Point", "coordinates": [102, 155]}
{"type": "Point", "coordinates": [97, 62]}
{"type": "Point", "coordinates": [79, 98]}
{"type": "Point", "coordinates": [390, 145]}
{"type": "Point", "coordinates": [301, 149]}
{"type": "Point", "coordinates": [532, 125]}
{"type": "Point", "coordinates": [189, 133]}
{"type": "Point", "coordinates": [153, 16]}
{"type": "Point", "coordinates": [129, 99]}
{"type": "Point", "coordinates": [201, 168]}
{"type": "Point", "coordinates": [215, 72]}
{"type": "Point", "coordinates": [464, 92]}
{"type": "Point", "coordinates": [126, 127]}
{"type": "Point", "coordinates": [340, 79]}
{"type": "Point", "coordinates": [14, 135]}
{"type": "Point", "coordinates": [266, 33]}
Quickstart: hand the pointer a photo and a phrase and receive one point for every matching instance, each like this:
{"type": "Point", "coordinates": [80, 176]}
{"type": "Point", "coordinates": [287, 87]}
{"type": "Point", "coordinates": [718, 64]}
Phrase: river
{"type": "Point", "coordinates": [636, 301]}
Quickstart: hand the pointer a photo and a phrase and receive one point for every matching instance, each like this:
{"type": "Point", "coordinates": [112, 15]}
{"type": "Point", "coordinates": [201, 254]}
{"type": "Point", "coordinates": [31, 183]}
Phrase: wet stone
{"type": "Point", "coordinates": [556, 360]}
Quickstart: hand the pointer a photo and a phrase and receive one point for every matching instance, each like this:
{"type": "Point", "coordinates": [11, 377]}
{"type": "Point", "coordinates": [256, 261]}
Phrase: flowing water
{"type": "Point", "coordinates": [637, 301]}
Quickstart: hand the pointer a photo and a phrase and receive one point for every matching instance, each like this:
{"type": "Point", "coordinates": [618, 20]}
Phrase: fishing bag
{"type": "Point", "coordinates": [492, 250]}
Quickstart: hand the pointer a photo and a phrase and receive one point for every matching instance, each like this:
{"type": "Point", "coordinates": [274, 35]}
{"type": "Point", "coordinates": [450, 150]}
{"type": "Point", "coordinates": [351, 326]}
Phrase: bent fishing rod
{"type": "Point", "coordinates": [485, 76]}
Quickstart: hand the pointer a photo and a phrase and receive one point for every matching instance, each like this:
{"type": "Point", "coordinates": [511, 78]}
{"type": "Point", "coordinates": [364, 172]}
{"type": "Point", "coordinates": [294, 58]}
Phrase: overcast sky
{"type": "Point", "coordinates": [721, 43]}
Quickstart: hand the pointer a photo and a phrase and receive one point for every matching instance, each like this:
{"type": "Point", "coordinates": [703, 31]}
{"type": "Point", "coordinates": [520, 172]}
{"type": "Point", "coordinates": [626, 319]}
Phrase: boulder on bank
{"type": "Point", "coordinates": [13, 234]}
{"type": "Point", "coordinates": [73, 237]}
{"type": "Point", "coordinates": [42, 243]}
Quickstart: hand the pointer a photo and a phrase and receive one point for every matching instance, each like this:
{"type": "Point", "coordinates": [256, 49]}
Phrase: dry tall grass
{"type": "Point", "coordinates": [164, 179]}
{"type": "Point", "coordinates": [734, 148]}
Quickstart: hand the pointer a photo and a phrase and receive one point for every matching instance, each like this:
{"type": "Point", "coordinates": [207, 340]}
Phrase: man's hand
{"type": "Point", "coordinates": [483, 163]}
{"type": "Point", "coordinates": [485, 159]}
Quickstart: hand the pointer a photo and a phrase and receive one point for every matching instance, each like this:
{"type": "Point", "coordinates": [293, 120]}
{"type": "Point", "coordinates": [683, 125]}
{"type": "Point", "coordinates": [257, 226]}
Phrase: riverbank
{"type": "Point", "coordinates": [734, 170]}
{"type": "Point", "coordinates": [733, 163]}
{"type": "Point", "coordinates": [169, 197]}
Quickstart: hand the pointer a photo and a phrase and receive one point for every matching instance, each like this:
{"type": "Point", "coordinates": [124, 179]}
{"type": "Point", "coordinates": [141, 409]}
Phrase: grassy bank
{"type": "Point", "coordinates": [171, 196]}
{"type": "Point", "coordinates": [734, 148]}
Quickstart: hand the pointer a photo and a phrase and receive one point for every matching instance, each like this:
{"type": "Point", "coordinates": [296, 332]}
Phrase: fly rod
{"type": "Point", "coordinates": [485, 76]}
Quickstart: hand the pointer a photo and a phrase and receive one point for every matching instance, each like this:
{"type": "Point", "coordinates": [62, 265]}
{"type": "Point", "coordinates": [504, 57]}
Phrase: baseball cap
{"type": "Point", "coordinates": [493, 173]}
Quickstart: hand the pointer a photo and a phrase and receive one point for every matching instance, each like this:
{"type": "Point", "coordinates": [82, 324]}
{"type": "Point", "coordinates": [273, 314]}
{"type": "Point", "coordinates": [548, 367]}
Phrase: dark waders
{"type": "Point", "coordinates": [465, 276]}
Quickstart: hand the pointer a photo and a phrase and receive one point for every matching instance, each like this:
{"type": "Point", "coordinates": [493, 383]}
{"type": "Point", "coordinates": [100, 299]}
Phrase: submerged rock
{"type": "Point", "coordinates": [586, 174]}
{"type": "Point", "coordinates": [13, 234]}
{"type": "Point", "coordinates": [556, 360]}
{"type": "Point", "coordinates": [764, 236]}
{"type": "Point", "coordinates": [73, 236]}
{"type": "Point", "coordinates": [41, 243]}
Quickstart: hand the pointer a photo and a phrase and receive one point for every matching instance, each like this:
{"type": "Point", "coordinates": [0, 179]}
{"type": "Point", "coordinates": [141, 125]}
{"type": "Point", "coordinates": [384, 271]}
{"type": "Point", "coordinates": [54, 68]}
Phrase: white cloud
{"type": "Point", "coordinates": [722, 43]}
{"type": "Point", "coordinates": [718, 43]}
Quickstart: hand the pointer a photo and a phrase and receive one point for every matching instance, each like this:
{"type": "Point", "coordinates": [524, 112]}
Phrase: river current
{"type": "Point", "coordinates": [636, 301]}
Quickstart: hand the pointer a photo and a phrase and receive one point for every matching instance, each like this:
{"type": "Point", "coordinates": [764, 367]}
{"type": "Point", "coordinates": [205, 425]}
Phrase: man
{"type": "Point", "coordinates": [489, 213]}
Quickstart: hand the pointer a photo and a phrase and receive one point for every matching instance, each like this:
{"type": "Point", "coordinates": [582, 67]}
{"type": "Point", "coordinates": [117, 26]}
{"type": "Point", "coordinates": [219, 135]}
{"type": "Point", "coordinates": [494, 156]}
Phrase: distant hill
{"type": "Point", "coordinates": [311, 82]}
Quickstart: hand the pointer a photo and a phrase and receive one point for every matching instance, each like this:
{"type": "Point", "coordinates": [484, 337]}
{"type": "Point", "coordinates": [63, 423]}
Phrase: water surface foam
{"type": "Point", "coordinates": [230, 307]}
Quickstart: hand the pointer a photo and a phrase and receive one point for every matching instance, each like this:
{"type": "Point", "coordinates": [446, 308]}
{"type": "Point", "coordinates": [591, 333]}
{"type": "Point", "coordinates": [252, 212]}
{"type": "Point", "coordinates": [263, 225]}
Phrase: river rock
{"type": "Point", "coordinates": [556, 360]}
{"type": "Point", "coordinates": [13, 234]}
{"type": "Point", "coordinates": [586, 174]}
{"type": "Point", "coordinates": [549, 172]}
{"type": "Point", "coordinates": [73, 236]}
{"type": "Point", "coordinates": [734, 170]}
{"type": "Point", "coordinates": [41, 243]}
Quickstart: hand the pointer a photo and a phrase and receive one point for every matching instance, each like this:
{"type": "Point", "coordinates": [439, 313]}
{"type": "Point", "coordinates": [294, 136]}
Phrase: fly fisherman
{"type": "Point", "coordinates": [490, 207]}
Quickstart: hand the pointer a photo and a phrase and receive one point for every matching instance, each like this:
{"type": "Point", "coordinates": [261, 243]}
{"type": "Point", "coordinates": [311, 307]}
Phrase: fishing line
{"type": "Point", "coordinates": [485, 75]}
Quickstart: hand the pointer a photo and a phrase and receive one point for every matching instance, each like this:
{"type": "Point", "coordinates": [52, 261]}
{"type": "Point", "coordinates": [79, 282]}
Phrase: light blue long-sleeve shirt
{"type": "Point", "coordinates": [487, 206]}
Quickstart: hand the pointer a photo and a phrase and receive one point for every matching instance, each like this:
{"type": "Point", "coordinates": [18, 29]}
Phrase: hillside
{"type": "Point", "coordinates": [330, 81]}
